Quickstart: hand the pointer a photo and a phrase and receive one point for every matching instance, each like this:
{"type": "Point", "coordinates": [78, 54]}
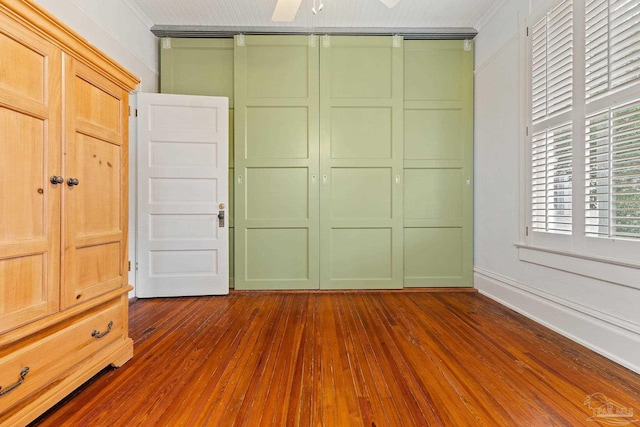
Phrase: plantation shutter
{"type": "Point", "coordinates": [612, 178]}
{"type": "Point", "coordinates": [551, 179]}
{"type": "Point", "coordinates": [612, 46]}
{"type": "Point", "coordinates": [551, 96]}
{"type": "Point", "coordinates": [552, 53]}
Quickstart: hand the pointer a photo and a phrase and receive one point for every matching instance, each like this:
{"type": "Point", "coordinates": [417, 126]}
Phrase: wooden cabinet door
{"type": "Point", "coordinates": [94, 206]}
{"type": "Point", "coordinates": [30, 70]}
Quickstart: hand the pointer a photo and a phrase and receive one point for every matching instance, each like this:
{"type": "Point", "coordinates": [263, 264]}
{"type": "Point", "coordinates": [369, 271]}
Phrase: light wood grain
{"type": "Point", "coordinates": [95, 211]}
{"type": "Point", "coordinates": [30, 152]}
{"type": "Point", "coordinates": [344, 359]}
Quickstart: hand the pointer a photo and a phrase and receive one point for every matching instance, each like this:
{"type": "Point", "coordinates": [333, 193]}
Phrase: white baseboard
{"type": "Point", "coordinates": [607, 335]}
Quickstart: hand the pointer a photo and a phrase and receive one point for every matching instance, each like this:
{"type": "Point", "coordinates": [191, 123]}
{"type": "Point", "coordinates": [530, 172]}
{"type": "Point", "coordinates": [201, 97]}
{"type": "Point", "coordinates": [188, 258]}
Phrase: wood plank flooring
{"type": "Point", "coordinates": [346, 359]}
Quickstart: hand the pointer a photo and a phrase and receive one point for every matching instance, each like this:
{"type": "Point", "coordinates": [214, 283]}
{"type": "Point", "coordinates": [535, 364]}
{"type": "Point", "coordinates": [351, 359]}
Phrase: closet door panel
{"type": "Point", "coordinates": [434, 134]}
{"type": "Point", "coordinates": [197, 67]}
{"type": "Point", "coordinates": [438, 153]}
{"type": "Point", "coordinates": [277, 133]}
{"type": "Point", "coordinates": [361, 193]}
{"type": "Point", "coordinates": [361, 163]}
{"type": "Point", "coordinates": [277, 254]}
{"type": "Point", "coordinates": [192, 66]}
{"type": "Point", "coordinates": [362, 254]}
{"type": "Point", "coordinates": [95, 216]}
{"type": "Point", "coordinates": [30, 154]}
{"type": "Point", "coordinates": [361, 133]}
{"type": "Point", "coordinates": [277, 68]}
{"type": "Point", "coordinates": [434, 251]}
{"type": "Point", "coordinates": [276, 163]}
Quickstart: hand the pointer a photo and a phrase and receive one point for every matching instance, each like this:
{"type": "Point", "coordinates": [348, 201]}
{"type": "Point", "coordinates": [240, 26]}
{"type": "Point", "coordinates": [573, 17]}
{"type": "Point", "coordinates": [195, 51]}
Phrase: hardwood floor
{"type": "Point", "coordinates": [346, 359]}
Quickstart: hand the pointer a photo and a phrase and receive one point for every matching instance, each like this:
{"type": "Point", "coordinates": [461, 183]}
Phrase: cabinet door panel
{"type": "Point", "coordinates": [361, 163]}
{"type": "Point", "coordinates": [29, 155]}
{"type": "Point", "coordinates": [95, 215]}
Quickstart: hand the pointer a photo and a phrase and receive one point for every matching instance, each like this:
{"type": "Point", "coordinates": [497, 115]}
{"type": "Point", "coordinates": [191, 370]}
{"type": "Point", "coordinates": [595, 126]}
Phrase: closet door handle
{"type": "Point", "coordinates": [72, 181]}
{"type": "Point", "coordinates": [56, 179]}
{"type": "Point", "coordinates": [23, 373]}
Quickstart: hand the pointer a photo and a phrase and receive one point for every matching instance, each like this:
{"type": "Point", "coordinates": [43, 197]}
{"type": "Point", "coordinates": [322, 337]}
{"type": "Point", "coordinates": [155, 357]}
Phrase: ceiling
{"type": "Point", "coordinates": [345, 15]}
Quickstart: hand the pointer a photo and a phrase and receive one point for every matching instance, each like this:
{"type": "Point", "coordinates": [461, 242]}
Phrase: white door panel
{"type": "Point", "coordinates": [183, 248]}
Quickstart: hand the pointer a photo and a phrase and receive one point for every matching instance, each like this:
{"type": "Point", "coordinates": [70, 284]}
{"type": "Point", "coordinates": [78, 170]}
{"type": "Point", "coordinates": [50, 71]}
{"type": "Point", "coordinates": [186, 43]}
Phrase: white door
{"type": "Point", "coordinates": [183, 233]}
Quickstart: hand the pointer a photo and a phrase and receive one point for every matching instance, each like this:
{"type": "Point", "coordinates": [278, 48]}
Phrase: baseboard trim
{"type": "Point", "coordinates": [607, 335]}
{"type": "Point", "coordinates": [344, 291]}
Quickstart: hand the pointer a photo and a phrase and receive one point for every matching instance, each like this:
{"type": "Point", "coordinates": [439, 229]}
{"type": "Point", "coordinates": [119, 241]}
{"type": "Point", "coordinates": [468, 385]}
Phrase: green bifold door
{"type": "Point", "coordinates": [353, 157]}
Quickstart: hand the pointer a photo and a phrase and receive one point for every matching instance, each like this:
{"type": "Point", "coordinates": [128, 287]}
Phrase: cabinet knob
{"type": "Point", "coordinates": [72, 181]}
{"type": "Point", "coordinates": [56, 179]}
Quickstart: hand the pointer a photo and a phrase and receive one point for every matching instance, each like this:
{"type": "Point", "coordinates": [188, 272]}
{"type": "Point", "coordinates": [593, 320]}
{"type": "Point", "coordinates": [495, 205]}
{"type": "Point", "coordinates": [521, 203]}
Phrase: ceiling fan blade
{"type": "Point", "coordinates": [390, 3]}
{"type": "Point", "coordinates": [286, 10]}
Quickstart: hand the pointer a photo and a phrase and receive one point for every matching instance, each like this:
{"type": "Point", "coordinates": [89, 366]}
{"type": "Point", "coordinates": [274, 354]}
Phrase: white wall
{"type": "Point", "coordinates": [117, 28]}
{"type": "Point", "coordinates": [602, 313]}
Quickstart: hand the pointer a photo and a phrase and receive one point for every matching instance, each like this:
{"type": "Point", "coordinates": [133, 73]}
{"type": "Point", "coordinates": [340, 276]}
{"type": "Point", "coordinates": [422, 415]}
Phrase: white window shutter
{"type": "Point", "coordinates": [552, 59]}
{"type": "Point", "coordinates": [612, 177]}
{"type": "Point", "coordinates": [551, 180]}
{"type": "Point", "coordinates": [612, 46]}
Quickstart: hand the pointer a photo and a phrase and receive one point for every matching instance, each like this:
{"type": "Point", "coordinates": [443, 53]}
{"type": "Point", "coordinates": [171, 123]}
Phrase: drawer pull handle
{"type": "Point", "coordinates": [23, 373]}
{"type": "Point", "coordinates": [98, 334]}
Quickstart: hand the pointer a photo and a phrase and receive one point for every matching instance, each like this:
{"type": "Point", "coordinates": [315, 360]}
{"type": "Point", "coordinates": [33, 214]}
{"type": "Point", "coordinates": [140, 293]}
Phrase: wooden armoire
{"type": "Point", "coordinates": [63, 202]}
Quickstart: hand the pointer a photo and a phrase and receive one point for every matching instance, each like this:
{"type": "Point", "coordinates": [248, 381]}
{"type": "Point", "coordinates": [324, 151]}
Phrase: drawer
{"type": "Point", "coordinates": [52, 353]}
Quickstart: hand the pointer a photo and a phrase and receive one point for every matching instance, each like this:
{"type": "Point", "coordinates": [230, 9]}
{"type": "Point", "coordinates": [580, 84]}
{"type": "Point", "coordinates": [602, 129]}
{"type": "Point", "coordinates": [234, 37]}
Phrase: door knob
{"type": "Point", "coordinates": [56, 179]}
{"type": "Point", "coordinates": [72, 181]}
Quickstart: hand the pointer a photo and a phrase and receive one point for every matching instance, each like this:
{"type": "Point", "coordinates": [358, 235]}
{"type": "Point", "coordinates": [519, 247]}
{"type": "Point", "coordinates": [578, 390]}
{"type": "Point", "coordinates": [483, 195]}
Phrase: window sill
{"type": "Point", "coordinates": [606, 269]}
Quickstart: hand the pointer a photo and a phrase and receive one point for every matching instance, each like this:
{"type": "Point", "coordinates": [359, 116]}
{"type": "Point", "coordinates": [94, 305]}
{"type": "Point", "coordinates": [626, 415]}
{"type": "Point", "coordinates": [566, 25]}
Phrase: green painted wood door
{"type": "Point", "coordinates": [438, 162]}
{"type": "Point", "coordinates": [361, 162]}
{"type": "Point", "coordinates": [276, 162]}
{"type": "Point", "coordinates": [203, 67]}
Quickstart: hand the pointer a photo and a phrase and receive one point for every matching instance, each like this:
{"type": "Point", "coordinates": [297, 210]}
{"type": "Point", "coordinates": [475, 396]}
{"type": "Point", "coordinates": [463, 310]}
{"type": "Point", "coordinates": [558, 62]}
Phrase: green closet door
{"type": "Point", "coordinates": [361, 162]}
{"type": "Point", "coordinates": [202, 67]}
{"type": "Point", "coordinates": [438, 153]}
{"type": "Point", "coordinates": [276, 162]}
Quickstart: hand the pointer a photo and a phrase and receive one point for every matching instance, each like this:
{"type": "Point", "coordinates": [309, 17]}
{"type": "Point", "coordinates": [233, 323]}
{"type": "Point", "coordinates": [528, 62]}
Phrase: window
{"type": "Point", "coordinates": [585, 120]}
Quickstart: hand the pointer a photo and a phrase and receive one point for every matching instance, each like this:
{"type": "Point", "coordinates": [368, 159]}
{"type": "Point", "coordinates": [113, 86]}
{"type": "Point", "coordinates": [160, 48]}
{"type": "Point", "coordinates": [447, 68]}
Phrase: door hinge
{"type": "Point", "coordinates": [526, 130]}
{"type": "Point", "coordinates": [526, 231]}
{"type": "Point", "coordinates": [129, 265]}
{"type": "Point", "coordinates": [527, 31]}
